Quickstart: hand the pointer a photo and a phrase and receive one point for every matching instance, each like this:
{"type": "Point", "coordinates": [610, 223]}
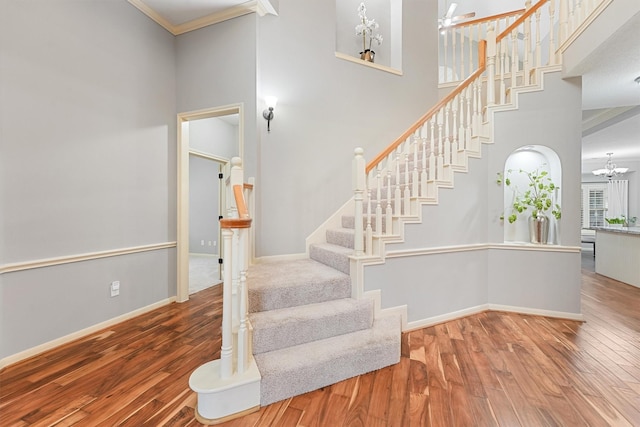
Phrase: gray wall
{"type": "Point", "coordinates": [87, 111]}
{"type": "Point", "coordinates": [326, 108]}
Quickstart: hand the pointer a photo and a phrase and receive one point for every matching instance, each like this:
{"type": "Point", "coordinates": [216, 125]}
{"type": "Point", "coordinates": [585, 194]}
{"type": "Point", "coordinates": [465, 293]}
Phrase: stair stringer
{"type": "Point", "coordinates": [358, 263]}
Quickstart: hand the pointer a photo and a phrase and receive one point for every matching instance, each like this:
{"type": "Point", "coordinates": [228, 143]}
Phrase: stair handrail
{"type": "Point", "coordinates": [487, 19]}
{"type": "Point", "coordinates": [433, 110]}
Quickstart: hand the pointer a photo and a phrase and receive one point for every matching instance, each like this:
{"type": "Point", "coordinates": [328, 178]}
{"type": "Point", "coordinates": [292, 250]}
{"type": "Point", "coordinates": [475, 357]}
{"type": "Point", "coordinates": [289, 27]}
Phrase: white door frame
{"type": "Point", "coordinates": [182, 242]}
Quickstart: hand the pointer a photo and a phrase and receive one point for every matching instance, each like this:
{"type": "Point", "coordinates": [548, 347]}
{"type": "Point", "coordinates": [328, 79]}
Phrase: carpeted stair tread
{"type": "Point", "coordinates": [287, 327]}
{"type": "Point", "coordinates": [295, 370]}
{"type": "Point", "coordinates": [281, 284]}
{"type": "Point", "coordinates": [334, 256]}
{"type": "Point", "coordinates": [341, 237]}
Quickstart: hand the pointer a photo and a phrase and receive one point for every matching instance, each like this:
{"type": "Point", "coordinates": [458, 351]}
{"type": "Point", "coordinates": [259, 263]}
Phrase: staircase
{"type": "Point", "coordinates": [311, 322]}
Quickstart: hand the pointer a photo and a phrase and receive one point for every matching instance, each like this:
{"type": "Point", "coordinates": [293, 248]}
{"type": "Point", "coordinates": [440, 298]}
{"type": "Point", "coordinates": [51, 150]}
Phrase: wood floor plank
{"type": "Point", "coordinates": [487, 369]}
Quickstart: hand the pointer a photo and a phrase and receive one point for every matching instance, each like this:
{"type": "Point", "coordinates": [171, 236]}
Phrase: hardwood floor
{"type": "Point", "coordinates": [489, 369]}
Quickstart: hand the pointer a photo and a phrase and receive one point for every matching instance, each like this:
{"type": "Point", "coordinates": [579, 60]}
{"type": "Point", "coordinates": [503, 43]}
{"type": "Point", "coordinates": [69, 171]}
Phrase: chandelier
{"type": "Point", "coordinates": [610, 170]}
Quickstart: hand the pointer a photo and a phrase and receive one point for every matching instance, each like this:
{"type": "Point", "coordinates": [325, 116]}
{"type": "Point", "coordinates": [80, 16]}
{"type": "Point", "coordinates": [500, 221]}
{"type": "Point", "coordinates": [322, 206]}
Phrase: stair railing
{"type": "Point", "coordinates": [235, 293]}
{"type": "Point", "coordinates": [457, 45]}
{"type": "Point", "coordinates": [423, 158]}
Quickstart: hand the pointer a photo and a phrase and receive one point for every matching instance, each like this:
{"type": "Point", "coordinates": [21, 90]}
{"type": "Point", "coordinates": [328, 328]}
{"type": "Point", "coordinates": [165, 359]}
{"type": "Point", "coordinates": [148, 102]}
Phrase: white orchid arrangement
{"type": "Point", "coordinates": [366, 27]}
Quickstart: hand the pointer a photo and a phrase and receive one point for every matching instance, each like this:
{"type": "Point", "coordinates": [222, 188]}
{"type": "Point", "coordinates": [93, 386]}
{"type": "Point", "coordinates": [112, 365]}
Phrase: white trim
{"type": "Point", "coordinates": [208, 156]}
{"type": "Point", "coordinates": [49, 262]}
{"type": "Point", "coordinates": [183, 152]}
{"type": "Point", "coordinates": [9, 360]}
{"type": "Point", "coordinates": [368, 64]}
{"type": "Point", "coordinates": [276, 258]}
{"type": "Point", "coordinates": [481, 247]}
{"type": "Point", "coordinates": [447, 317]}
{"type": "Point", "coordinates": [261, 7]}
{"type": "Point", "coordinates": [537, 312]}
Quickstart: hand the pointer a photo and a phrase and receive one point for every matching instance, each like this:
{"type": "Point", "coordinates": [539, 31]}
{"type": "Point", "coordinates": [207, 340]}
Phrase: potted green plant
{"type": "Point", "coordinates": [538, 197]}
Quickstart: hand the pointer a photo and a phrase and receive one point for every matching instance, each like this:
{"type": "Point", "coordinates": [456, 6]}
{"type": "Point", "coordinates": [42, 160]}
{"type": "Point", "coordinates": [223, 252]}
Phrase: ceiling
{"type": "Point", "coordinates": [610, 99]}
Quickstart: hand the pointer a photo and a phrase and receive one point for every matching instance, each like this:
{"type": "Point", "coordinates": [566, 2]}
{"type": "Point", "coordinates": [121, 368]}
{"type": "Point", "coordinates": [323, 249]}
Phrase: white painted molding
{"type": "Point", "coordinates": [208, 156]}
{"type": "Point", "coordinates": [447, 317]}
{"type": "Point", "coordinates": [49, 262]}
{"type": "Point", "coordinates": [276, 258]}
{"type": "Point", "coordinates": [262, 7]}
{"type": "Point", "coordinates": [537, 312]}
{"type": "Point", "coordinates": [481, 247]}
{"type": "Point", "coordinates": [15, 358]}
{"type": "Point", "coordinates": [368, 64]}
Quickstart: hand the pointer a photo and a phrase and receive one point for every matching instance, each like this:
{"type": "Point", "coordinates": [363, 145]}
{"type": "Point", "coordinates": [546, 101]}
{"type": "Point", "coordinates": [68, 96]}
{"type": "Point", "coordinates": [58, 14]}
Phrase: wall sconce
{"type": "Point", "coordinates": [271, 102]}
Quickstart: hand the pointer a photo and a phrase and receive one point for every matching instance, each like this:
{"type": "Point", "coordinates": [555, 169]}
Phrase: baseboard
{"type": "Point", "coordinates": [274, 258]}
{"type": "Point", "coordinates": [447, 317]}
{"type": "Point", "coordinates": [537, 312]}
{"type": "Point", "coordinates": [34, 351]}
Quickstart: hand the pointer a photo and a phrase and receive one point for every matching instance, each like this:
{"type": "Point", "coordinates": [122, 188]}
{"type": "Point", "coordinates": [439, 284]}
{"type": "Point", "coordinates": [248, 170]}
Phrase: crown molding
{"type": "Point", "coordinates": [262, 7]}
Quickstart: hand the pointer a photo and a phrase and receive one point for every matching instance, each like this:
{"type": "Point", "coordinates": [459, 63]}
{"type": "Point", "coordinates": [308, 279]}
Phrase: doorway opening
{"type": "Point", "coordinates": [207, 140]}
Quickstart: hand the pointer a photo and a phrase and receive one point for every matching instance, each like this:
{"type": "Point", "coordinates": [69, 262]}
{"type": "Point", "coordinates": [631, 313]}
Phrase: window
{"type": "Point", "coordinates": [594, 205]}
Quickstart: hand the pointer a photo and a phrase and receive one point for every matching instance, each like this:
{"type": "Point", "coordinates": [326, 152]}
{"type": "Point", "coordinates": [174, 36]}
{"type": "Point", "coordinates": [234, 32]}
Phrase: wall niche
{"type": "Point", "coordinates": [388, 15]}
{"type": "Point", "coordinates": [528, 159]}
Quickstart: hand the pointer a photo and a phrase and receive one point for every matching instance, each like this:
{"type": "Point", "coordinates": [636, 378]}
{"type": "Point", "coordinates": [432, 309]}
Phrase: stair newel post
{"type": "Point", "coordinates": [368, 247]}
{"type": "Point", "coordinates": [378, 201]}
{"type": "Point", "coordinates": [388, 215]}
{"type": "Point", "coordinates": [397, 194]}
{"type": "Point", "coordinates": [432, 150]}
{"type": "Point", "coordinates": [358, 190]}
{"type": "Point", "coordinates": [226, 350]}
{"type": "Point", "coordinates": [491, 66]}
{"type": "Point", "coordinates": [440, 158]}
{"type": "Point", "coordinates": [415, 176]}
{"type": "Point", "coordinates": [552, 43]}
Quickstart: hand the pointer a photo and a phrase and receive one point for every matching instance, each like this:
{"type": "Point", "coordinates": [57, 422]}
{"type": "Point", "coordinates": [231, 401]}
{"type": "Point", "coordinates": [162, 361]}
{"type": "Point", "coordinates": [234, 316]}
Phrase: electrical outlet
{"type": "Point", "coordinates": [215, 243]}
{"type": "Point", "coordinates": [115, 288]}
{"type": "Point", "coordinates": [209, 242]}
{"type": "Point", "coordinates": [201, 242]}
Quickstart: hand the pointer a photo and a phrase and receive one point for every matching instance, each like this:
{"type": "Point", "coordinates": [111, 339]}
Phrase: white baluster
{"type": "Point", "coordinates": [368, 231]}
{"type": "Point", "coordinates": [455, 76]}
{"type": "Point", "coordinates": [469, 119]}
{"type": "Point", "coordinates": [432, 151]}
{"type": "Point", "coordinates": [235, 274]}
{"type": "Point", "coordinates": [463, 71]}
{"type": "Point", "coordinates": [440, 158]}
{"type": "Point", "coordinates": [491, 64]}
{"type": "Point", "coordinates": [397, 195]}
{"type": "Point", "coordinates": [514, 62]}
{"type": "Point", "coordinates": [415, 183]}
{"type": "Point", "coordinates": [389, 210]}
{"type": "Point", "coordinates": [538, 62]}
{"type": "Point", "coordinates": [243, 330]}
{"type": "Point", "coordinates": [379, 201]}
{"type": "Point", "coordinates": [358, 190]}
{"type": "Point", "coordinates": [563, 32]}
{"type": "Point", "coordinates": [407, 192]}
{"type": "Point", "coordinates": [447, 135]}
{"type": "Point", "coordinates": [226, 350]}
{"type": "Point", "coordinates": [445, 36]}
{"type": "Point", "coordinates": [423, 172]}
{"type": "Point", "coordinates": [462, 143]}
{"type": "Point", "coordinates": [503, 88]}
{"type": "Point", "coordinates": [552, 44]}
{"type": "Point", "coordinates": [454, 131]}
